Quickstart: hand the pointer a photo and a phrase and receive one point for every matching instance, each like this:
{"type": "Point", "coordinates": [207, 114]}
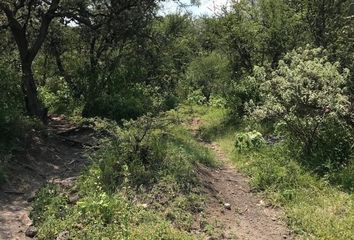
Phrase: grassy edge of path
{"type": "Point", "coordinates": [315, 209]}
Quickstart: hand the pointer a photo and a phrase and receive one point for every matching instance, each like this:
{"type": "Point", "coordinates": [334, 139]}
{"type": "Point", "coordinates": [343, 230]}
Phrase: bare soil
{"type": "Point", "coordinates": [233, 208]}
{"type": "Point", "coordinates": [54, 157]}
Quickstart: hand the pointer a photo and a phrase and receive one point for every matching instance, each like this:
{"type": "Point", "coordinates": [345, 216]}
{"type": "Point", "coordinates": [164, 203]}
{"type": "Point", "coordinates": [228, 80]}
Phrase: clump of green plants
{"type": "Point", "coordinates": [131, 103]}
{"type": "Point", "coordinates": [196, 97]}
{"type": "Point", "coordinates": [10, 108]}
{"type": "Point", "coordinates": [141, 186]}
{"type": "Point", "coordinates": [315, 207]}
{"type": "Point", "coordinates": [307, 99]}
{"type": "Point", "coordinates": [240, 93]}
{"type": "Point", "coordinates": [246, 141]}
{"type": "Point", "coordinates": [59, 98]}
{"type": "Point", "coordinates": [209, 74]}
{"type": "Point", "coordinates": [217, 101]}
{"type": "Point", "coordinates": [143, 150]}
{"type": "Point", "coordinates": [98, 214]}
{"type": "Point", "coordinates": [14, 127]}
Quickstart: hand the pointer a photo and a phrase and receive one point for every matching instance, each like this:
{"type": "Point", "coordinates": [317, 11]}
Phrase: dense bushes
{"type": "Point", "coordinates": [58, 97]}
{"type": "Point", "coordinates": [10, 113]}
{"type": "Point", "coordinates": [209, 74]}
{"type": "Point", "coordinates": [240, 93]}
{"type": "Point", "coordinates": [144, 149]}
{"type": "Point", "coordinates": [141, 185]}
{"type": "Point", "coordinates": [11, 102]}
{"type": "Point", "coordinates": [246, 141]}
{"type": "Point", "coordinates": [117, 107]}
{"type": "Point", "coordinates": [306, 98]}
{"type": "Point", "coordinates": [13, 125]}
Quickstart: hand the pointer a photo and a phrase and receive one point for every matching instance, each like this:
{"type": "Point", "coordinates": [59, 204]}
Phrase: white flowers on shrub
{"type": "Point", "coordinates": [302, 93]}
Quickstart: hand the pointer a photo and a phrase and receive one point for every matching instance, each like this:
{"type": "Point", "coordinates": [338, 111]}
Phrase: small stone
{"type": "Point", "coordinates": [227, 206]}
{"type": "Point", "coordinates": [274, 219]}
{"type": "Point", "coordinates": [26, 220]}
{"type": "Point", "coordinates": [31, 232]}
{"type": "Point", "coordinates": [31, 197]}
{"type": "Point", "coordinates": [79, 226]}
{"type": "Point", "coordinates": [144, 205]}
{"type": "Point", "coordinates": [63, 236]}
{"type": "Point", "coordinates": [285, 236]}
{"type": "Point", "coordinates": [73, 199]}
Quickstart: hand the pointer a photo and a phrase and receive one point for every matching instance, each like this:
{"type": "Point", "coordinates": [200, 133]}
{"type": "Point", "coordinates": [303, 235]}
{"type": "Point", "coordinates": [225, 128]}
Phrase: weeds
{"type": "Point", "coordinates": [316, 207]}
{"type": "Point", "coordinates": [141, 185]}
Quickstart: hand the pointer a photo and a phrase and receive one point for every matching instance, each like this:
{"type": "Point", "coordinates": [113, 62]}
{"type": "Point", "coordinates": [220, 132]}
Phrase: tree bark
{"type": "Point", "coordinates": [27, 53]}
{"type": "Point", "coordinates": [33, 105]}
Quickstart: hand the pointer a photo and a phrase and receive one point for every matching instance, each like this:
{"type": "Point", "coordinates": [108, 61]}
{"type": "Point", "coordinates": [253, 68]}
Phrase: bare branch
{"type": "Point", "coordinates": [43, 30]}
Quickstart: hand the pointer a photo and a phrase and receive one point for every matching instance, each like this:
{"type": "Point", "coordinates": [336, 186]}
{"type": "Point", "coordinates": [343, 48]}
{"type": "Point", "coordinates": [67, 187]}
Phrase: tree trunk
{"type": "Point", "coordinates": [33, 105]}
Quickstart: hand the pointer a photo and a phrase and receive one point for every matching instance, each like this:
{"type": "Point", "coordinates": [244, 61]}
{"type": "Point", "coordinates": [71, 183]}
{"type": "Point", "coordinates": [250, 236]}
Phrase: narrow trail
{"type": "Point", "coordinates": [57, 158]}
{"type": "Point", "coordinates": [239, 212]}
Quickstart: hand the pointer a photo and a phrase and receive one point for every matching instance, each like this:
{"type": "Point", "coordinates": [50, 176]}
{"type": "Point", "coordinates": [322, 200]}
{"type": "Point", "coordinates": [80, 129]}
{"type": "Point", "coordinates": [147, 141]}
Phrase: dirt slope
{"type": "Point", "coordinates": [57, 158]}
{"type": "Point", "coordinates": [236, 210]}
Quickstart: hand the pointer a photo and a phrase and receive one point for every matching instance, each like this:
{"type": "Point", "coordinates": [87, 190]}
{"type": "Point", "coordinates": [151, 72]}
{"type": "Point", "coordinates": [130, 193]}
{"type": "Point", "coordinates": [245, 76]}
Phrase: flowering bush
{"type": "Point", "coordinates": [306, 97]}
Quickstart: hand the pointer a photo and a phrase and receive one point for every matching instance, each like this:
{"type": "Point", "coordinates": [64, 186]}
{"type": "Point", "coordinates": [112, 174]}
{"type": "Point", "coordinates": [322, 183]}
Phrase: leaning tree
{"type": "Point", "coordinates": [29, 21]}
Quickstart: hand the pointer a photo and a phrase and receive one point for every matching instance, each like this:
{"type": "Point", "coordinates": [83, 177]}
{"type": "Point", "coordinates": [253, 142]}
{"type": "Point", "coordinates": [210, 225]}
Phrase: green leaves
{"type": "Point", "coordinates": [209, 74]}
{"type": "Point", "coordinates": [306, 96]}
{"type": "Point", "coordinates": [305, 84]}
{"type": "Point", "coordinates": [249, 141]}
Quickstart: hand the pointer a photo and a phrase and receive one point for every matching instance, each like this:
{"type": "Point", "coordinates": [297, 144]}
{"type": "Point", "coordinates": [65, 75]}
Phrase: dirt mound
{"type": "Point", "coordinates": [56, 156]}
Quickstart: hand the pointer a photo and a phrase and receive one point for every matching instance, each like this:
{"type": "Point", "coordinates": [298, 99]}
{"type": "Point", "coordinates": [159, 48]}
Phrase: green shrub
{"type": "Point", "coordinates": [58, 97]}
{"type": "Point", "coordinates": [147, 149]}
{"type": "Point", "coordinates": [14, 126]}
{"type": "Point", "coordinates": [306, 98]}
{"type": "Point", "coordinates": [148, 162]}
{"type": "Point", "coordinates": [10, 108]}
{"type": "Point", "coordinates": [333, 148]}
{"type": "Point", "coordinates": [217, 101]}
{"type": "Point", "coordinates": [240, 93]}
{"type": "Point", "coordinates": [134, 155]}
{"type": "Point", "coordinates": [246, 141]}
{"type": "Point", "coordinates": [209, 74]}
{"type": "Point", "coordinates": [344, 178]}
{"type": "Point", "coordinates": [130, 104]}
{"type": "Point", "coordinates": [169, 102]}
{"type": "Point", "coordinates": [196, 97]}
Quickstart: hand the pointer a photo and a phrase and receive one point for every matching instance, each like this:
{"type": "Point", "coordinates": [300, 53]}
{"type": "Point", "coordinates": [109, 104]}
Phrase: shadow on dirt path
{"type": "Point", "coordinates": [232, 206]}
{"type": "Point", "coordinates": [57, 158]}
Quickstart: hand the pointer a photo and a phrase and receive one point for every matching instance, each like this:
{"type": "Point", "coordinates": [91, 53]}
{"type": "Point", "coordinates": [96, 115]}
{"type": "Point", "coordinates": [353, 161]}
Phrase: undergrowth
{"type": "Point", "coordinates": [15, 136]}
{"type": "Point", "coordinates": [317, 207]}
{"type": "Point", "coordinates": [141, 185]}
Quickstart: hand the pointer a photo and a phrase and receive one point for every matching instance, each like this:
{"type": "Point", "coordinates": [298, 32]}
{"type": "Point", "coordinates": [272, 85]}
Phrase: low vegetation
{"type": "Point", "coordinates": [141, 185]}
{"type": "Point", "coordinates": [272, 81]}
{"type": "Point", "coordinates": [317, 206]}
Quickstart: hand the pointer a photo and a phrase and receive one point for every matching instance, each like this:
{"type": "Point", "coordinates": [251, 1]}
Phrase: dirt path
{"type": "Point", "coordinates": [233, 207]}
{"type": "Point", "coordinates": [57, 158]}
